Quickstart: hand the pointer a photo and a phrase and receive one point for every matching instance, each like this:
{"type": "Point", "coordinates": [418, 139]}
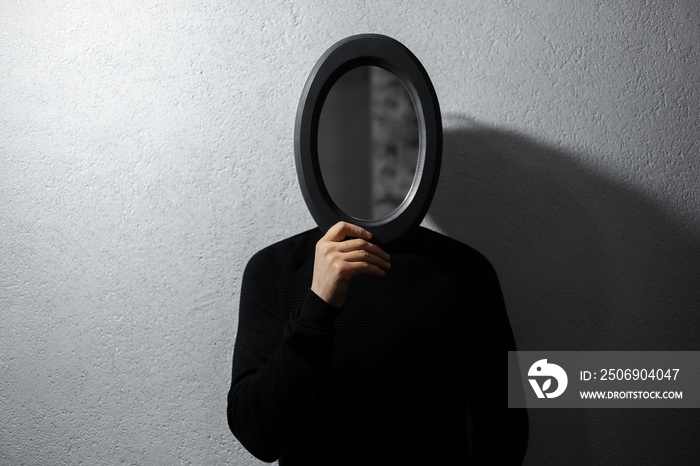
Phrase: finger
{"type": "Point", "coordinates": [362, 268]}
{"type": "Point", "coordinates": [341, 230]}
{"type": "Point", "coordinates": [360, 255]}
{"type": "Point", "coordinates": [360, 244]}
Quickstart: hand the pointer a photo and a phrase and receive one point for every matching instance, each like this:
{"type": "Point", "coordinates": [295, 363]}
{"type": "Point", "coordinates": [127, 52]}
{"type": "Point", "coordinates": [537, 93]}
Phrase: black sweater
{"type": "Point", "coordinates": [392, 377]}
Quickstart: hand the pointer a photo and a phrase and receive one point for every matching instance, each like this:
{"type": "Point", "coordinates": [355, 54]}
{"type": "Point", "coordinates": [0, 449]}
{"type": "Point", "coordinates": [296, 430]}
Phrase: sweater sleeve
{"type": "Point", "coordinates": [500, 434]}
{"type": "Point", "coordinates": [277, 366]}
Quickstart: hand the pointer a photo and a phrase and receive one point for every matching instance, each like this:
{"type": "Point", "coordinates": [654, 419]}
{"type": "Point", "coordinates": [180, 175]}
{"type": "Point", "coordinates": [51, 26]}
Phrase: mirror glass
{"type": "Point", "coordinates": [368, 142]}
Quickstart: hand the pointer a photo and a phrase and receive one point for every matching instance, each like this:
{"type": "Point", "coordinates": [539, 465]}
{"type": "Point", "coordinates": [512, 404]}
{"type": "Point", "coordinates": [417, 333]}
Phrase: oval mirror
{"type": "Point", "coordinates": [368, 137]}
{"type": "Point", "coordinates": [368, 142]}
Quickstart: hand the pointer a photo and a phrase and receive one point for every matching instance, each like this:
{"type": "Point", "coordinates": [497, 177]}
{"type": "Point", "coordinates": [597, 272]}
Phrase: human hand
{"type": "Point", "coordinates": [337, 261]}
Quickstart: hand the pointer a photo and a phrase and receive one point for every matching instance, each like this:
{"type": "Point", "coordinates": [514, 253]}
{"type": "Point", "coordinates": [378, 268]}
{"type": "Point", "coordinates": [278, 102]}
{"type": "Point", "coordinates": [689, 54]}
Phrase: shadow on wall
{"type": "Point", "coordinates": [585, 263]}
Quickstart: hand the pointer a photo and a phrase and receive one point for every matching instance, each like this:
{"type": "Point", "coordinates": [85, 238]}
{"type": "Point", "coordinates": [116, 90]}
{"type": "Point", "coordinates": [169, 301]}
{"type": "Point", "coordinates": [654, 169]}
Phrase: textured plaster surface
{"type": "Point", "coordinates": [146, 152]}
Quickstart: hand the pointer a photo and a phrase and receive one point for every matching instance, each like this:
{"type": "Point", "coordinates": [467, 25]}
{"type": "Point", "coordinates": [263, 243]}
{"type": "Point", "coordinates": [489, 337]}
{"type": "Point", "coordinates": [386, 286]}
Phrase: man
{"type": "Point", "coordinates": [352, 353]}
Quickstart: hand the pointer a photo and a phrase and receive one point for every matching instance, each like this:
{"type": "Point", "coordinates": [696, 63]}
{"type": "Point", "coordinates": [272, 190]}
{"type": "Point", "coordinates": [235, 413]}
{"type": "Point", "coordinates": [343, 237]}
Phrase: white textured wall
{"type": "Point", "coordinates": [147, 152]}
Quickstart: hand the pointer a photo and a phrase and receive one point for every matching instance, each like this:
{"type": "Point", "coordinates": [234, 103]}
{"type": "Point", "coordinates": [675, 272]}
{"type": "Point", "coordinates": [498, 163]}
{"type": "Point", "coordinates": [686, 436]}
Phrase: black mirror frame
{"type": "Point", "coordinates": [387, 53]}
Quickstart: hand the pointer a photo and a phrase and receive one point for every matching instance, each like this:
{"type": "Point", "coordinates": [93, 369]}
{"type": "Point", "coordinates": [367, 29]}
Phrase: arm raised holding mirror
{"type": "Point", "coordinates": [370, 339]}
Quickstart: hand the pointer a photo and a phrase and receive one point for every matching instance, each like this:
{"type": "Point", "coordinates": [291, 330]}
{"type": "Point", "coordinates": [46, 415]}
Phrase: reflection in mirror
{"type": "Point", "coordinates": [368, 142]}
